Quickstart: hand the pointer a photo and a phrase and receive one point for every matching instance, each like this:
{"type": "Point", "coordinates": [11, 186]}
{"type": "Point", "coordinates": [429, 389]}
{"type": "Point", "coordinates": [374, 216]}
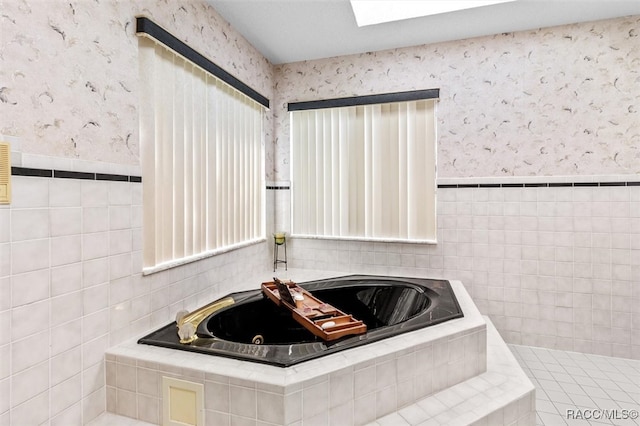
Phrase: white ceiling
{"type": "Point", "coordinates": [296, 30]}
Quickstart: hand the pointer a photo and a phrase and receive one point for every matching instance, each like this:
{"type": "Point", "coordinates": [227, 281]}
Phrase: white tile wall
{"type": "Point", "coordinates": [71, 287]}
{"type": "Point", "coordinates": [553, 267]}
{"type": "Point", "coordinates": [556, 267]}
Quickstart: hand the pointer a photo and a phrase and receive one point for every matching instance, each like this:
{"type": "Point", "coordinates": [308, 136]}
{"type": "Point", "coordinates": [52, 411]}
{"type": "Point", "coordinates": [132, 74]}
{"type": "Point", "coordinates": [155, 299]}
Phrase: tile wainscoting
{"type": "Point", "coordinates": [554, 261]}
{"type": "Point", "coordinates": [553, 266]}
{"type": "Point", "coordinates": [71, 287]}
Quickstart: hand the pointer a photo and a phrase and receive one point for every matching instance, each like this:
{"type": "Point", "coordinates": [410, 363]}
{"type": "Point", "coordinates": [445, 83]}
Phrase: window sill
{"type": "Point", "coordinates": [185, 260]}
{"type": "Point", "coordinates": [364, 239]}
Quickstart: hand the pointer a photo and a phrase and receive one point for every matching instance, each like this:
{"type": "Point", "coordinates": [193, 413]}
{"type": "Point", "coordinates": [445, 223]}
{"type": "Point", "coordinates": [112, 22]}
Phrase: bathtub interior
{"type": "Point", "coordinates": [388, 305]}
{"type": "Point", "coordinates": [398, 371]}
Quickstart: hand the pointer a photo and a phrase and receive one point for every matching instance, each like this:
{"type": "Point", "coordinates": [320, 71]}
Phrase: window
{"type": "Point", "coordinates": [202, 161]}
{"type": "Point", "coordinates": [364, 171]}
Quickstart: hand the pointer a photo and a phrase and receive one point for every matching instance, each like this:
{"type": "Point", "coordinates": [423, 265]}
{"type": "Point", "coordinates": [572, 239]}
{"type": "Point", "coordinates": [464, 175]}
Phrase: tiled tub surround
{"type": "Point", "coordinates": [339, 389]}
{"type": "Point", "coordinates": [553, 266]}
{"type": "Point", "coordinates": [503, 395]}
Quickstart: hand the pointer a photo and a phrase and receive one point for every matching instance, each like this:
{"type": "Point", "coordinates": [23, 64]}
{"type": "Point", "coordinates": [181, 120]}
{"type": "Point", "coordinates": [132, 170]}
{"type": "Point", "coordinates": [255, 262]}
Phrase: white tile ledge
{"type": "Point", "coordinates": [503, 395]}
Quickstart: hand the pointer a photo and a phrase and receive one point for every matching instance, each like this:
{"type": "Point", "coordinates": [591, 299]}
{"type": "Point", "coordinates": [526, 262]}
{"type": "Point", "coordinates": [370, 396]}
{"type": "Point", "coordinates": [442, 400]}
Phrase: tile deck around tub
{"type": "Point", "coordinates": [385, 375]}
{"type": "Point", "coordinates": [503, 395]}
{"type": "Point", "coordinates": [539, 364]}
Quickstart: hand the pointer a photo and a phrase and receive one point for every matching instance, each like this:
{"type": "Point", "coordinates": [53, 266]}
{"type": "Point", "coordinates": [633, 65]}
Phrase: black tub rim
{"type": "Point", "coordinates": [276, 355]}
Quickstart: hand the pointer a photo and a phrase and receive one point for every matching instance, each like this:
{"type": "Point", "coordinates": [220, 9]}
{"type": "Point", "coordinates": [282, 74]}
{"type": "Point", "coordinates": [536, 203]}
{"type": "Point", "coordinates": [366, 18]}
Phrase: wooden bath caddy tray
{"type": "Point", "coordinates": [321, 319]}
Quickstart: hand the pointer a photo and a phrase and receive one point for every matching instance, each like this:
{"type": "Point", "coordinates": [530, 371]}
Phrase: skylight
{"type": "Point", "coordinates": [371, 12]}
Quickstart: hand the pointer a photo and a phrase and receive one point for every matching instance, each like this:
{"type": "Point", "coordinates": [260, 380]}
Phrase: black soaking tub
{"type": "Point", "coordinates": [387, 305]}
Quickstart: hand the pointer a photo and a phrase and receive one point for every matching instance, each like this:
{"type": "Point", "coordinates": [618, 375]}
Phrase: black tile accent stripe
{"type": "Point", "coordinates": [382, 98]}
{"type": "Point", "coordinates": [25, 171]}
{"type": "Point", "coordinates": [537, 185]}
{"type": "Point", "coordinates": [66, 174]}
{"type": "Point", "coordinates": [155, 31]}
{"type": "Point", "coordinates": [117, 178]}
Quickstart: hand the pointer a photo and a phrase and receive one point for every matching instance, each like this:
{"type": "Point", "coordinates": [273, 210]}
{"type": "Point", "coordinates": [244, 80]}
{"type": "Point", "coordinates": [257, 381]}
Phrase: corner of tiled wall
{"type": "Point", "coordinates": [554, 266]}
{"type": "Point", "coordinates": [71, 286]}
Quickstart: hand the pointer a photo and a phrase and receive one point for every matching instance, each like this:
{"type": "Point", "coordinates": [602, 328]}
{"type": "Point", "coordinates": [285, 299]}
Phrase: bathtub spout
{"type": "Point", "coordinates": [188, 322]}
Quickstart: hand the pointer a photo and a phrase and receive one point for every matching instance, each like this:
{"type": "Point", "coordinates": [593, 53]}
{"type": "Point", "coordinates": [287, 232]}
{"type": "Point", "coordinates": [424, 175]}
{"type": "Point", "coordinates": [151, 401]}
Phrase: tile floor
{"type": "Point", "coordinates": [564, 381]}
{"type": "Point", "coordinates": [588, 385]}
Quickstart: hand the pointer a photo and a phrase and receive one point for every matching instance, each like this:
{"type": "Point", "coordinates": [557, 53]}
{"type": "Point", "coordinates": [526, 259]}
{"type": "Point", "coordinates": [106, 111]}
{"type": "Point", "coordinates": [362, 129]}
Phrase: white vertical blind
{"type": "Point", "coordinates": [365, 171]}
{"type": "Point", "coordinates": [202, 161]}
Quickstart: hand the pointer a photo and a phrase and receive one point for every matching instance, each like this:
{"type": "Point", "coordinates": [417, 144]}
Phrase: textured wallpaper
{"type": "Point", "coordinates": [556, 101]}
{"type": "Point", "coordinates": [69, 70]}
